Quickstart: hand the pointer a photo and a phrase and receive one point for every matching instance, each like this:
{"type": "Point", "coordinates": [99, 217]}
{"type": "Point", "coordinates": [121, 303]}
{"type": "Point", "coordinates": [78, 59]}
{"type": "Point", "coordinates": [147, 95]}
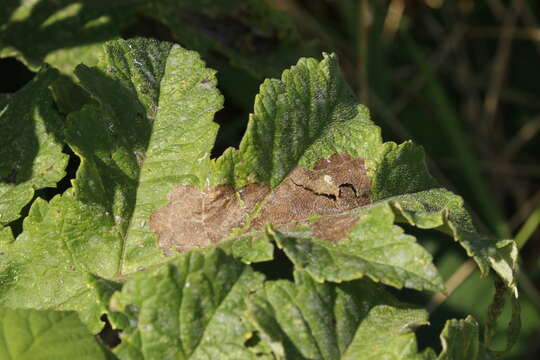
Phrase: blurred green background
{"type": "Point", "coordinates": [460, 77]}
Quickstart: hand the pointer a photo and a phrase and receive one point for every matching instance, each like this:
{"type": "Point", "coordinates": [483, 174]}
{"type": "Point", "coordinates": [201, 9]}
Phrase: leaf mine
{"type": "Point", "coordinates": [198, 217]}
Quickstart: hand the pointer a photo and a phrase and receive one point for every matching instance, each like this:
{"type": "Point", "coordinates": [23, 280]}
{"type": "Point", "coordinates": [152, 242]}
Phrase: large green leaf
{"type": "Point", "coordinates": [188, 309]}
{"type": "Point", "coordinates": [45, 335]}
{"type": "Point", "coordinates": [30, 147]}
{"type": "Point", "coordinates": [154, 100]}
{"type": "Point", "coordinates": [312, 165]}
{"type": "Point", "coordinates": [354, 320]}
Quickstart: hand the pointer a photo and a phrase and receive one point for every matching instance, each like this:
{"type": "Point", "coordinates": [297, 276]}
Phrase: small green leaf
{"type": "Point", "coordinates": [45, 335]}
{"type": "Point", "coordinates": [442, 210]}
{"type": "Point", "coordinates": [188, 309]}
{"type": "Point", "coordinates": [309, 114]}
{"type": "Point", "coordinates": [374, 247]}
{"type": "Point", "coordinates": [460, 340]}
{"type": "Point", "coordinates": [139, 139]}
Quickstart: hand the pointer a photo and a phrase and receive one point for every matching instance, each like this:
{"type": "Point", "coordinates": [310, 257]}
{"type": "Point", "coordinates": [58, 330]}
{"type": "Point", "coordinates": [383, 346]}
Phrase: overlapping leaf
{"type": "Point", "coordinates": [460, 340]}
{"type": "Point", "coordinates": [188, 309]}
{"type": "Point", "coordinates": [43, 335]}
{"type": "Point", "coordinates": [355, 320]}
{"type": "Point", "coordinates": [30, 147]}
{"type": "Point", "coordinates": [373, 247]}
{"type": "Point", "coordinates": [61, 33]}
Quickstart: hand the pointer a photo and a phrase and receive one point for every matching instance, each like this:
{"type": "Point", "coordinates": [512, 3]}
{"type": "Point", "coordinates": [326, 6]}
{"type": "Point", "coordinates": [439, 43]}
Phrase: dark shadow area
{"type": "Point", "coordinates": [71, 172]}
{"type": "Point", "coordinates": [122, 123]}
{"type": "Point", "coordinates": [254, 340]}
{"type": "Point", "coordinates": [8, 7]}
{"type": "Point", "coordinates": [278, 268]}
{"type": "Point", "coordinates": [69, 96]}
{"type": "Point", "coordinates": [145, 26]}
{"type": "Point", "coordinates": [14, 75]}
{"type": "Point", "coordinates": [108, 335]}
{"type": "Point", "coordinates": [232, 122]}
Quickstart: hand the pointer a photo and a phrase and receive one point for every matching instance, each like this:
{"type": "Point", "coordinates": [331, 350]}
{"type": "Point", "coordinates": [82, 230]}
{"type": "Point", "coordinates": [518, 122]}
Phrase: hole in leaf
{"type": "Point", "coordinates": [253, 340]}
{"type": "Point", "coordinates": [278, 268]}
{"type": "Point", "coordinates": [16, 225]}
{"type": "Point", "coordinates": [108, 335]}
{"type": "Point", "coordinates": [16, 75]}
{"type": "Point", "coordinates": [343, 188]}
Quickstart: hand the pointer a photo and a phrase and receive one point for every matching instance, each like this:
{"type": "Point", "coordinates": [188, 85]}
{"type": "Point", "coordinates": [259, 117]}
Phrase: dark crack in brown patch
{"type": "Point", "coordinates": [336, 184]}
{"type": "Point", "coordinates": [201, 217]}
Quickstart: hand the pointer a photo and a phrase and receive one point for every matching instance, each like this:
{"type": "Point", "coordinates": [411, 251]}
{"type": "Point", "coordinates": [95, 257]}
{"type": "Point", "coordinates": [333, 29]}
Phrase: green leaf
{"type": "Point", "coordinates": [354, 320]}
{"type": "Point", "coordinates": [44, 335]}
{"type": "Point", "coordinates": [189, 309]}
{"type": "Point", "coordinates": [442, 210]}
{"type": "Point", "coordinates": [30, 145]}
{"type": "Point", "coordinates": [460, 340]}
{"type": "Point", "coordinates": [312, 165]}
{"type": "Point", "coordinates": [62, 33]}
{"type": "Point", "coordinates": [502, 292]}
{"type": "Point", "coordinates": [46, 266]}
{"type": "Point", "coordinates": [373, 247]}
{"type": "Point", "coordinates": [153, 101]}
{"type": "Point", "coordinates": [399, 162]}
{"type": "Point", "coordinates": [309, 114]}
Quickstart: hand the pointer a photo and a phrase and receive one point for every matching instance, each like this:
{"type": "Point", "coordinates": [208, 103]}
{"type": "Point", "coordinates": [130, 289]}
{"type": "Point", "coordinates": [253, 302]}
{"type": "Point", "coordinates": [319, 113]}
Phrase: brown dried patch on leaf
{"type": "Point", "coordinates": [334, 227]}
{"type": "Point", "coordinates": [337, 184]}
{"type": "Point", "coordinates": [201, 217]}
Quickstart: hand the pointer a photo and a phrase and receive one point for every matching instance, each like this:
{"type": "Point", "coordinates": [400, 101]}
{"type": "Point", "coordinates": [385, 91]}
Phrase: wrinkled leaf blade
{"type": "Point", "coordinates": [374, 247]}
{"type": "Point", "coordinates": [308, 320]}
{"type": "Point", "coordinates": [34, 335]}
{"type": "Point", "coordinates": [188, 309]}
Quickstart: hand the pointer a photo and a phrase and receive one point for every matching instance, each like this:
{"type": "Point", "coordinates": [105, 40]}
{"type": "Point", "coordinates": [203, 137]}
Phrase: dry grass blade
{"type": "Point", "coordinates": [457, 278]}
{"type": "Point", "coordinates": [393, 18]}
{"type": "Point", "coordinates": [526, 133]}
{"type": "Point", "coordinates": [500, 64]}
